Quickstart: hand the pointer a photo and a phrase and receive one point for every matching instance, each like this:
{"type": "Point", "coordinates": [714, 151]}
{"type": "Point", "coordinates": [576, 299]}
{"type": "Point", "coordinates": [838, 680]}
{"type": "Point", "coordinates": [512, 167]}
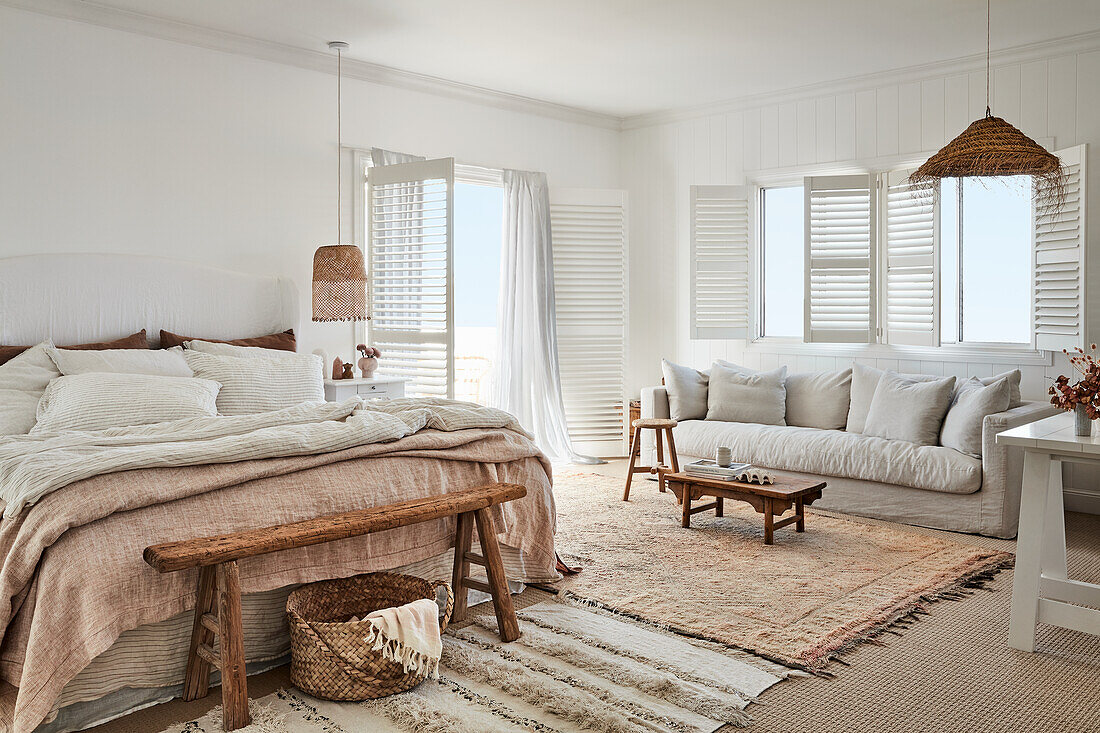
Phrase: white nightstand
{"type": "Point", "coordinates": [378, 388]}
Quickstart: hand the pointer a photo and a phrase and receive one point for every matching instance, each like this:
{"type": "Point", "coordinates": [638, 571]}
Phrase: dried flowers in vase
{"type": "Point", "coordinates": [1083, 396]}
{"type": "Point", "coordinates": [368, 360]}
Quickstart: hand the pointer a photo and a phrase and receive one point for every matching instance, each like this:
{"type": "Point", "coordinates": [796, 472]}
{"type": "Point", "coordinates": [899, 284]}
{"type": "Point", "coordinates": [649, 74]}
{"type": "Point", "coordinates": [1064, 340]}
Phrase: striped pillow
{"type": "Point", "coordinates": [252, 385]}
{"type": "Point", "coordinates": [97, 401]}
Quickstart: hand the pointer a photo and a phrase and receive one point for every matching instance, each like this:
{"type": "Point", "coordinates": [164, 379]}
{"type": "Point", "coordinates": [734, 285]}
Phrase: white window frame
{"type": "Point", "coordinates": [991, 353]}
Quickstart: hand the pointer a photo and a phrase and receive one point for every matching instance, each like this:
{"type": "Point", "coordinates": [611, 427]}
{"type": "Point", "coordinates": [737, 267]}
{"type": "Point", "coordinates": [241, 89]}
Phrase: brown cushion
{"type": "Point", "coordinates": [283, 341]}
{"type": "Point", "coordinates": [133, 341]}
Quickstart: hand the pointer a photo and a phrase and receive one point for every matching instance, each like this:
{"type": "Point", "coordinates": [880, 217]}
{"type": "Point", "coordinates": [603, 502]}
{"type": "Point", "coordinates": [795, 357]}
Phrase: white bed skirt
{"type": "Point", "coordinates": [145, 665]}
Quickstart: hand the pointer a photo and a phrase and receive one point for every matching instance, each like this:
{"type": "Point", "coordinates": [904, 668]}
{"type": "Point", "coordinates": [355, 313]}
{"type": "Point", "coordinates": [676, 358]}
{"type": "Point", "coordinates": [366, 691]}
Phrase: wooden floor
{"type": "Point", "coordinates": [951, 671]}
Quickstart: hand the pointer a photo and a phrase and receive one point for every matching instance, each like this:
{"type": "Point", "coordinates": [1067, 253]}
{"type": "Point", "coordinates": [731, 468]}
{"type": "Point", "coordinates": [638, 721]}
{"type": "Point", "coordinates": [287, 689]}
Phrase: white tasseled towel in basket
{"type": "Point", "coordinates": [408, 635]}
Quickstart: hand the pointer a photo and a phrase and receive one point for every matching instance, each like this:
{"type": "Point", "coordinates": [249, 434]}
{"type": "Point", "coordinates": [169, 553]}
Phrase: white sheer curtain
{"type": "Point", "coordinates": [379, 156]}
{"type": "Point", "coordinates": [528, 383]}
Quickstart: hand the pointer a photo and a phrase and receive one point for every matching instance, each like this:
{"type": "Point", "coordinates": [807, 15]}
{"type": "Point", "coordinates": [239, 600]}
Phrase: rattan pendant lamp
{"type": "Point", "coordinates": [993, 147]}
{"type": "Point", "coordinates": [339, 275]}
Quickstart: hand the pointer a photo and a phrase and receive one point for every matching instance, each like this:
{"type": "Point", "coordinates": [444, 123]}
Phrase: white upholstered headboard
{"type": "Point", "coordinates": [84, 298]}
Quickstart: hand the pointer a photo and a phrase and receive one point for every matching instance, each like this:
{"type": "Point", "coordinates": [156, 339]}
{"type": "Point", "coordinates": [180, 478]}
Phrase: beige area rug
{"type": "Point", "coordinates": [573, 669]}
{"type": "Point", "coordinates": [801, 601]}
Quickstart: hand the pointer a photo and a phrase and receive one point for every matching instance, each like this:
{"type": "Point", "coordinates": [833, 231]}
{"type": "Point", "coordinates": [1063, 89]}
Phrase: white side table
{"type": "Point", "coordinates": [1041, 591]}
{"type": "Point", "coordinates": [377, 388]}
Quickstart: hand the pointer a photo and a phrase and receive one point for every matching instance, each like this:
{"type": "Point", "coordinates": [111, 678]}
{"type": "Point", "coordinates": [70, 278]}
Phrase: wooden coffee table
{"type": "Point", "coordinates": [770, 500]}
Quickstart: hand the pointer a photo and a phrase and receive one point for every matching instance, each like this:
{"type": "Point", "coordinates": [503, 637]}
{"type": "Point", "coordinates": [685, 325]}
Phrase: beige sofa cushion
{"type": "Point", "coordinates": [819, 399]}
{"type": "Point", "coordinates": [687, 391]}
{"type": "Point", "coordinates": [973, 400]}
{"type": "Point", "coordinates": [737, 397]}
{"type": "Point", "coordinates": [909, 409]}
{"type": "Point", "coordinates": [835, 453]}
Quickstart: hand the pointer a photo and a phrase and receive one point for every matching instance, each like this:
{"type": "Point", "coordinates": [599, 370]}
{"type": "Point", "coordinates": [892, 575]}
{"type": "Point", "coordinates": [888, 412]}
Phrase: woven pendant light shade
{"type": "Point", "coordinates": [993, 147]}
{"type": "Point", "coordinates": [339, 284]}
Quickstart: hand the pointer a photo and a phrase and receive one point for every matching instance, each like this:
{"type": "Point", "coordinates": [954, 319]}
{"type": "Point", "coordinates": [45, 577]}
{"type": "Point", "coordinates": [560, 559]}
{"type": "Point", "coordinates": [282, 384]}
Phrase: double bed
{"type": "Point", "coordinates": [89, 631]}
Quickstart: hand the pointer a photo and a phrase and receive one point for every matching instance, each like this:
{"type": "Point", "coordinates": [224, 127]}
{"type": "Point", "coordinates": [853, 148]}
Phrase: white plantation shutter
{"type": "Point", "coordinates": [588, 227]}
{"type": "Point", "coordinates": [912, 263]}
{"type": "Point", "coordinates": [410, 211]}
{"type": "Point", "coordinates": [840, 259]}
{"type": "Point", "coordinates": [1059, 265]}
{"type": "Point", "coordinates": [719, 262]}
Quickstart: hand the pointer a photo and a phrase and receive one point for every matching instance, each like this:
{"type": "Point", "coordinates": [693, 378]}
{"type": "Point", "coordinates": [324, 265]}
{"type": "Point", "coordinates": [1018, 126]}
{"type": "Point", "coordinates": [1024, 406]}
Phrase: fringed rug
{"type": "Point", "coordinates": [801, 601]}
{"type": "Point", "coordinates": [573, 669]}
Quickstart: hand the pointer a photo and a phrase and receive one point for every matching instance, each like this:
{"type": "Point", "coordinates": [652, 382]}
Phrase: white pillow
{"type": "Point", "coordinates": [251, 385]}
{"type": "Point", "coordinates": [909, 409]}
{"type": "Point", "coordinates": [164, 363]}
{"type": "Point", "coordinates": [819, 399]}
{"type": "Point", "coordinates": [752, 398]}
{"type": "Point", "coordinates": [210, 347]}
{"type": "Point", "coordinates": [973, 400]}
{"type": "Point", "coordinates": [864, 381]}
{"type": "Point", "coordinates": [1013, 379]}
{"type": "Point", "coordinates": [687, 391]}
{"type": "Point", "coordinates": [734, 367]}
{"type": "Point", "coordinates": [97, 401]}
{"type": "Point", "coordinates": [23, 379]}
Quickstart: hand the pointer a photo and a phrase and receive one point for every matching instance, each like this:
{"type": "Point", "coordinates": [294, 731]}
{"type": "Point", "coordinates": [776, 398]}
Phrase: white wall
{"type": "Point", "coordinates": [1056, 98]}
{"type": "Point", "coordinates": [116, 142]}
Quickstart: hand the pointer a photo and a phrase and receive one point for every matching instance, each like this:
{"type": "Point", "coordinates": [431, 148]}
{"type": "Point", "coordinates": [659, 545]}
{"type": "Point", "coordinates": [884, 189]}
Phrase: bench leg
{"type": "Point", "coordinates": [196, 680]}
{"type": "Point", "coordinates": [463, 540]}
{"type": "Point", "coordinates": [498, 583]}
{"type": "Point", "coordinates": [231, 635]}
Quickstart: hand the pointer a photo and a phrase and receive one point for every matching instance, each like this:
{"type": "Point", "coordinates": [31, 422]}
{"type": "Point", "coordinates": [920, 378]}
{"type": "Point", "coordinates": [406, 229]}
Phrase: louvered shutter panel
{"type": "Point", "coordinates": [912, 263]}
{"type": "Point", "coordinates": [720, 262]}
{"type": "Point", "coordinates": [840, 259]}
{"type": "Point", "coordinates": [588, 227]}
{"type": "Point", "coordinates": [410, 208]}
{"type": "Point", "coordinates": [1059, 265]}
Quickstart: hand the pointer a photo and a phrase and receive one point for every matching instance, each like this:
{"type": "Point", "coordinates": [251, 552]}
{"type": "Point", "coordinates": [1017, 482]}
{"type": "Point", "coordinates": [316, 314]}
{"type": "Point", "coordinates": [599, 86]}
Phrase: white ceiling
{"type": "Point", "coordinates": [629, 57]}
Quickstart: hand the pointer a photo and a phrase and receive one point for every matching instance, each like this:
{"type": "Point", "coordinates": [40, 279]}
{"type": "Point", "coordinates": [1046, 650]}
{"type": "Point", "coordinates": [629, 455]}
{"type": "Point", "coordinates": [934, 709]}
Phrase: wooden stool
{"type": "Point", "coordinates": [659, 426]}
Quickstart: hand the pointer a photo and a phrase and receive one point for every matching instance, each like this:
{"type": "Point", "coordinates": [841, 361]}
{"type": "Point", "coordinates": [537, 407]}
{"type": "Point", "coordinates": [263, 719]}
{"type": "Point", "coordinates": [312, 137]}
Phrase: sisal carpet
{"type": "Point", "coordinates": [573, 669]}
{"type": "Point", "coordinates": [801, 601]}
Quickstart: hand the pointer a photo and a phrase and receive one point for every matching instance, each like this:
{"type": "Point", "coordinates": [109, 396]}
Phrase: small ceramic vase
{"type": "Point", "coordinates": [367, 365]}
{"type": "Point", "coordinates": [1082, 423]}
{"type": "Point", "coordinates": [723, 456]}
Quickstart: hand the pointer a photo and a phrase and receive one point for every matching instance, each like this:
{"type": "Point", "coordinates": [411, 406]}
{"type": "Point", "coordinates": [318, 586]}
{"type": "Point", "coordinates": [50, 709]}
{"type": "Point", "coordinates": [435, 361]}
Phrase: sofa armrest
{"type": "Point", "coordinates": [654, 404]}
{"type": "Point", "coordinates": [1002, 468]}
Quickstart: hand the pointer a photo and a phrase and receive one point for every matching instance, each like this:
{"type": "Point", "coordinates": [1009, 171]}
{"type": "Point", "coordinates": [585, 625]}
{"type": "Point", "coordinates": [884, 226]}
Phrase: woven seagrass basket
{"type": "Point", "coordinates": [330, 657]}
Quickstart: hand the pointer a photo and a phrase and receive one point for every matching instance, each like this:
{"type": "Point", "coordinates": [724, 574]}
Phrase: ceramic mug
{"type": "Point", "coordinates": [723, 456]}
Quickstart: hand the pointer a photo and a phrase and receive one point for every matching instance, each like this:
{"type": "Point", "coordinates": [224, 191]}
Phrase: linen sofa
{"type": "Point", "coordinates": [925, 485]}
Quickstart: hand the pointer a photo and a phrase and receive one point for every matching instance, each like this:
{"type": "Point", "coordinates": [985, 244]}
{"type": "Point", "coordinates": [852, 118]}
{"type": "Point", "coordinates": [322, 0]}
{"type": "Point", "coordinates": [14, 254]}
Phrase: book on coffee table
{"type": "Point", "coordinates": [707, 468]}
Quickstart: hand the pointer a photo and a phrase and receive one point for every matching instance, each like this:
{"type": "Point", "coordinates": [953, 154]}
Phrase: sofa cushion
{"type": "Point", "coordinates": [864, 381]}
{"type": "Point", "coordinates": [687, 391]}
{"type": "Point", "coordinates": [973, 400]}
{"type": "Point", "coordinates": [819, 399]}
{"type": "Point", "coordinates": [1013, 379]}
{"type": "Point", "coordinates": [835, 453]}
{"type": "Point", "coordinates": [737, 397]}
{"type": "Point", "coordinates": [909, 409]}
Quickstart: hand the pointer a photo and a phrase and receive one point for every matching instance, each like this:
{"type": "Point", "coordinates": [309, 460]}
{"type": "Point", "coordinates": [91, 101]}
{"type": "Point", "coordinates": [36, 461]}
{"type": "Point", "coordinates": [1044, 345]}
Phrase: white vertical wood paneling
{"type": "Point", "coordinates": [769, 137]}
{"type": "Point", "coordinates": [845, 127]}
{"type": "Point", "coordinates": [866, 125]}
{"type": "Point", "coordinates": [977, 95]}
{"type": "Point", "coordinates": [788, 134]}
{"type": "Point", "coordinates": [1006, 93]}
{"type": "Point", "coordinates": [735, 133]}
{"type": "Point", "coordinates": [825, 117]}
{"type": "Point", "coordinates": [751, 142]}
{"type": "Point", "coordinates": [909, 118]}
{"type": "Point", "coordinates": [1062, 100]}
{"type": "Point", "coordinates": [956, 105]}
{"type": "Point", "coordinates": [718, 164]}
{"type": "Point", "coordinates": [1033, 99]}
{"type": "Point", "coordinates": [806, 119]}
{"type": "Point", "coordinates": [932, 114]}
{"type": "Point", "coordinates": [886, 129]}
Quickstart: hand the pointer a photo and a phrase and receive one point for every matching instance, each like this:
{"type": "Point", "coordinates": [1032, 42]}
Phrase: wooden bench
{"type": "Point", "coordinates": [218, 603]}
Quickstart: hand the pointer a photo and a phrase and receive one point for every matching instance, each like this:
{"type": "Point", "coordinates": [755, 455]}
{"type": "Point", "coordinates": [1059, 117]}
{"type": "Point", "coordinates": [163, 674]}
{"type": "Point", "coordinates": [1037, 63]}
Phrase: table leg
{"type": "Point", "coordinates": [719, 509]}
{"type": "Point", "coordinates": [1029, 550]}
{"type": "Point", "coordinates": [1054, 526]}
{"type": "Point", "coordinates": [769, 522]}
{"type": "Point", "coordinates": [800, 512]}
{"type": "Point", "coordinates": [685, 505]}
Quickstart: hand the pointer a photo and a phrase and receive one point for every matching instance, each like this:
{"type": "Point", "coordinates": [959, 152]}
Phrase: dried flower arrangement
{"type": "Point", "coordinates": [368, 359]}
{"type": "Point", "coordinates": [1086, 391]}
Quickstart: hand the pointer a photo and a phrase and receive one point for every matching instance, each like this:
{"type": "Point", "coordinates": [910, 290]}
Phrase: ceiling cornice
{"type": "Point", "coordinates": [1017, 54]}
{"type": "Point", "coordinates": [319, 60]}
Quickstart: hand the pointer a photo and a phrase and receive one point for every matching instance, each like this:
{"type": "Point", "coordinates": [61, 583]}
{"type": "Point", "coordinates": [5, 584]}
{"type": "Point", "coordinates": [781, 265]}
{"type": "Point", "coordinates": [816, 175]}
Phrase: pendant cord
{"type": "Point", "coordinates": [340, 146]}
{"type": "Point", "coordinates": [988, 113]}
